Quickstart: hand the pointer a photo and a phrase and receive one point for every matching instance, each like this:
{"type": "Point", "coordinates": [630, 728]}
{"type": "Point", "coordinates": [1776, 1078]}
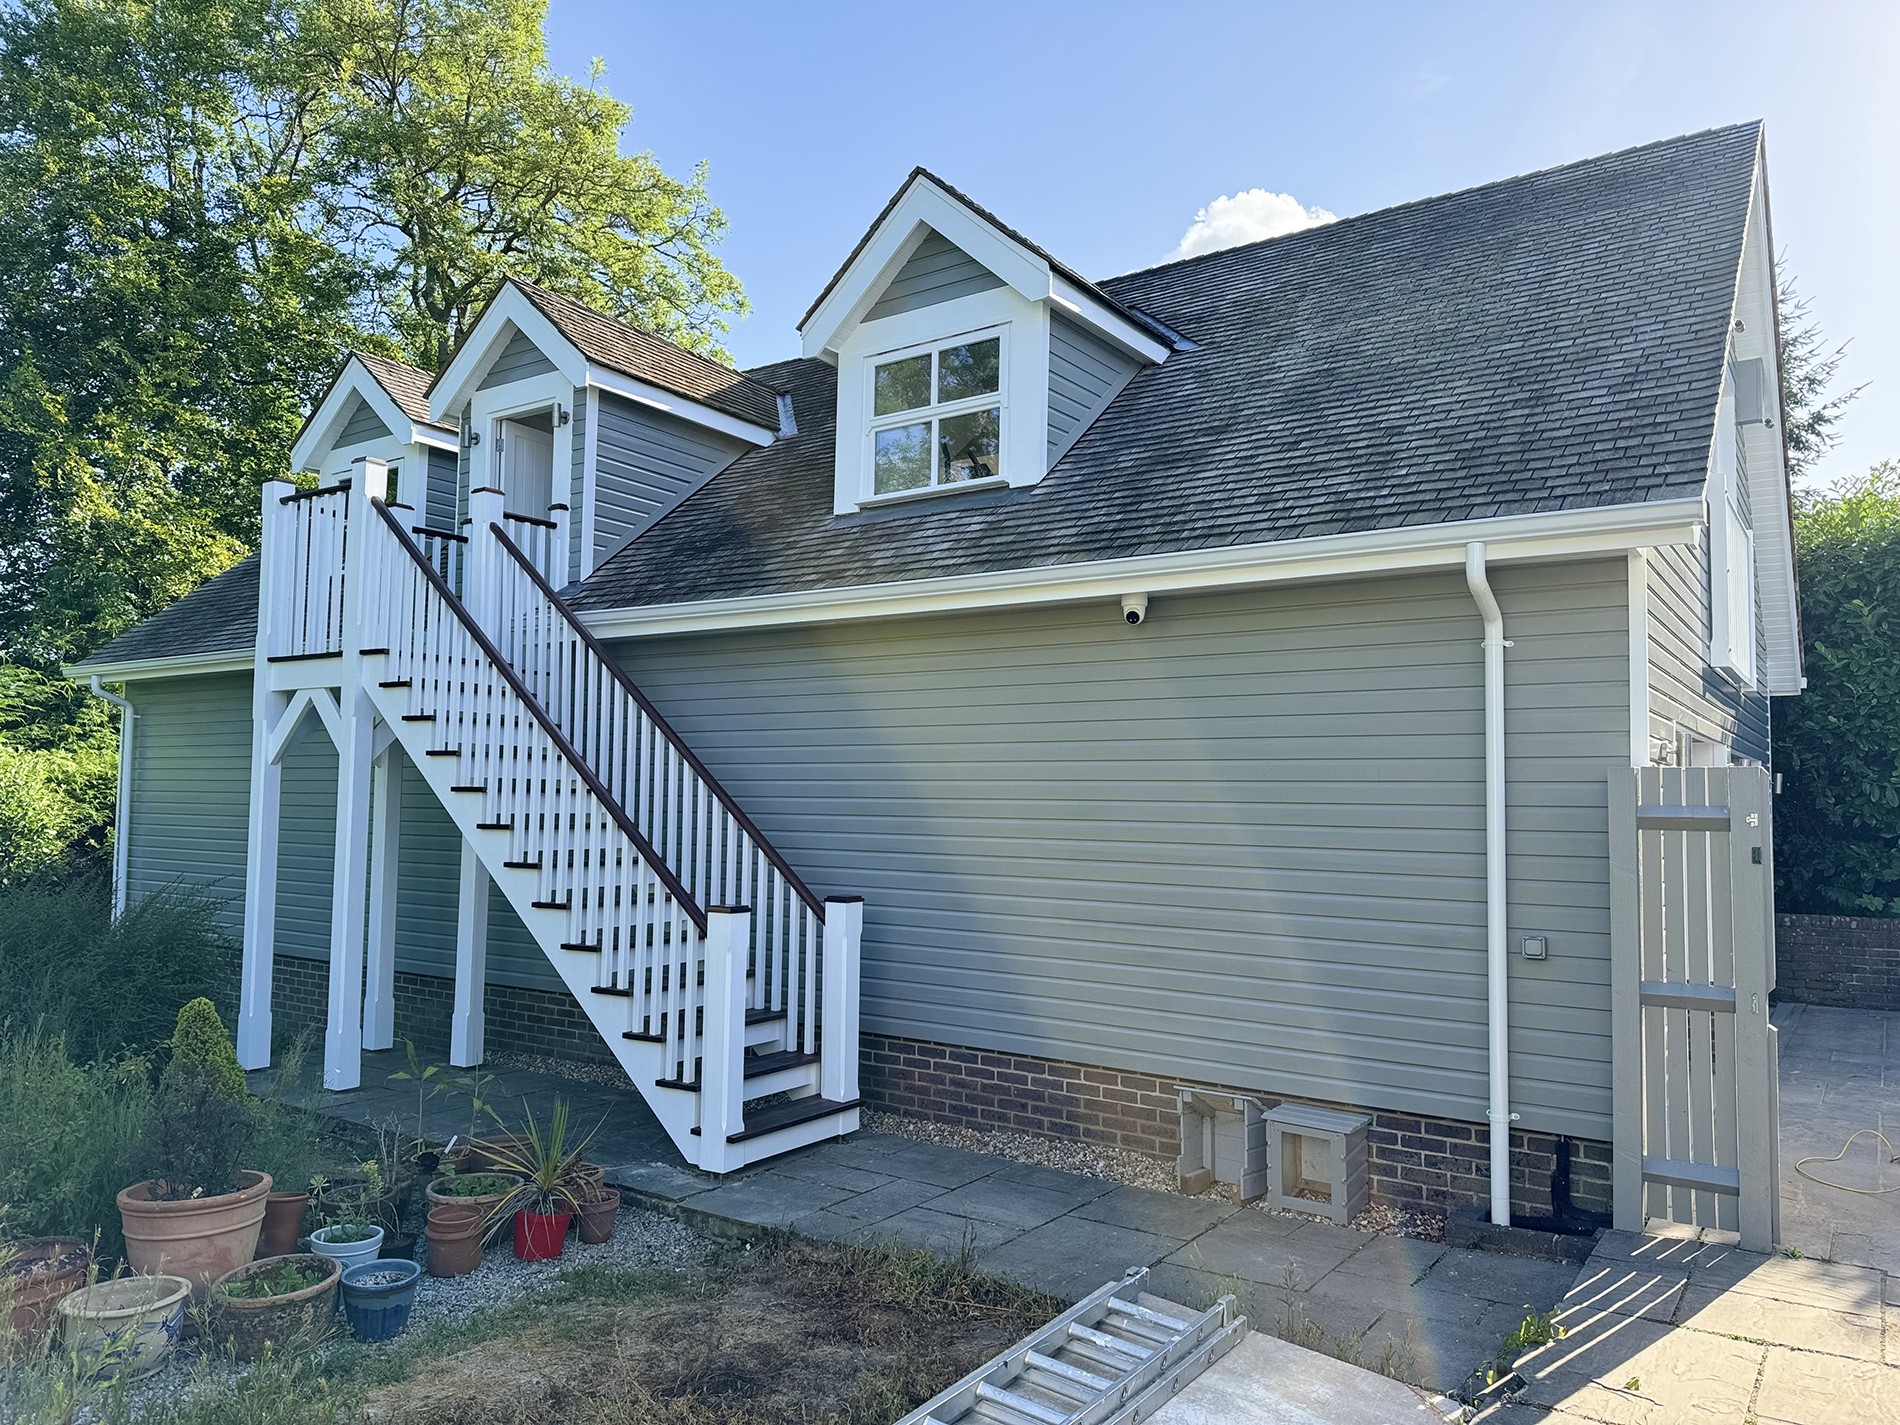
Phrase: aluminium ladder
{"type": "Point", "coordinates": [1114, 1358]}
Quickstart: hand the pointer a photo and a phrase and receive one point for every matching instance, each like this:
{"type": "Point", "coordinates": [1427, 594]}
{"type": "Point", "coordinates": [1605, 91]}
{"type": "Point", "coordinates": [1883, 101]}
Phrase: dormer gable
{"type": "Point", "coordinates": [967, 356]}
{"type": "Point", "coordinates": [376, 407]}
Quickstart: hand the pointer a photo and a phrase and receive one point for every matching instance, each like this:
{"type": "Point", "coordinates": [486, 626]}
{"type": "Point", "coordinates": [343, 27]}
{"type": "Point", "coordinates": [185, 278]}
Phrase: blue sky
{"type": "Point", "coordinates": [1101, 131]}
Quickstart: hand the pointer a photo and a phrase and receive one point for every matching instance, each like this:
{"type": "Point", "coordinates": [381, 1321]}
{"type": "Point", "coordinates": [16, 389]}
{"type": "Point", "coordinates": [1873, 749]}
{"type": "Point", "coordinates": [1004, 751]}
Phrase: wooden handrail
{"type": "Point", "coordinates": [339, 488]}
{"type": "Point", "coordinates": [529, 519]}
{"type": "Point", "coordinates": [438, 533]}
{"type": "Point", "coordinates": [627, 685]}
{"type": "Point", "coordinates": [559, 738]}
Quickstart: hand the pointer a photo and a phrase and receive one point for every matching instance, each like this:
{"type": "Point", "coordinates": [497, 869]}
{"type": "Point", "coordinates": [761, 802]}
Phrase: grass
{"type": "Point", "coordinates": [777, 1332]}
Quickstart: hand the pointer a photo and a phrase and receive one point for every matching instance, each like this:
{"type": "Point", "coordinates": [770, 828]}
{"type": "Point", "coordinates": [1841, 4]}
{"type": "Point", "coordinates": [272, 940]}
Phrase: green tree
{"type": "Point", "coordinates": [1838, 744]}
{"type": "Point", "coordinates": [1811, 407]}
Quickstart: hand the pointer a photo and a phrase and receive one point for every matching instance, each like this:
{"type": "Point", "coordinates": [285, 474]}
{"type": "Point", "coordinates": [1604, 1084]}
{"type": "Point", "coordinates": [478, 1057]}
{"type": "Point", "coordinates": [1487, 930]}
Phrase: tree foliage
{"type": "Point", "coordinates": [1811, 407]}
{"type": "Point", "coordinates": [1838, 744]}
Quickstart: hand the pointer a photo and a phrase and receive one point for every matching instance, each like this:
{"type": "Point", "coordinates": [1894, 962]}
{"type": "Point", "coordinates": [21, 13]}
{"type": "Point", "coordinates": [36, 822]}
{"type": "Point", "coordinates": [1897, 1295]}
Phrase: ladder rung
{"type": "Point", "coordinates": [1074, 1374]}
{"type": "Point", "coordinates": [1112, 1344]}
{"type": "Point", "coordinates": [1142, 1313]}
{"type": "Point", "coordinates": [1022, 1404]}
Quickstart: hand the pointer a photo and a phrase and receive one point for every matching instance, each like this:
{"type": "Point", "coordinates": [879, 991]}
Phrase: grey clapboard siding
{"type": "Point", "coordinates": [937, 271]}
{"type": "Point", "coordinates": [439, 499]}
{"type": "Point", "coordinates": [1684, 690]}
{"type": "Point", "coordinates": [464, 463]}
{"type": "Point", "coordinates": [1085, 374]}
{"type": "Point", "coordinates": [577, 486]}
{"type": "Point", "coordinates": [645, 463]}
{"type": "Point", "coordinates": [519, 360]}
{"type": "Point", "coordinates": [1242, 844]}
{"type": "Point", "coordinates": [363, 424]}
{"type": "Point", "coordinates": [191, 778]}
{"type": "Point", "coordinates": [190, 810]}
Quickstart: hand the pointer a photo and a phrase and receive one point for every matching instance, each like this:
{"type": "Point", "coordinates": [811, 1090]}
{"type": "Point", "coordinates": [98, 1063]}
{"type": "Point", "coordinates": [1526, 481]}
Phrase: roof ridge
{"type": "Point", "coordinates": [1757, 124]}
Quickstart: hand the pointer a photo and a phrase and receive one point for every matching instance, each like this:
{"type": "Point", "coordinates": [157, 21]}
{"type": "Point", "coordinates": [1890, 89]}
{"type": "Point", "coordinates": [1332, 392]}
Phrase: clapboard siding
{"type": "Point", "coordinates": [363, 425]}
{"type": "Point", "coordinates": [1243, 843]}
{"type": "Point", "coordinates": [938, 271]}
{"type": "Point", "coordinates": [189, 825]}
{"type": "Point", "coordinates": [645, 463]}
{"type": "Point", "coordinates": [577, 486]}
{"type": "Point", "coordinates": [1084, 376]}
{"type": "Point", "coordinates": [1684, 690]}
{"type": "Point", "coordinates": [191, 778]}
{"type": "Point", "coordinates": [519, 360]}
{"type": "Point", "coordinates": [439, 498]}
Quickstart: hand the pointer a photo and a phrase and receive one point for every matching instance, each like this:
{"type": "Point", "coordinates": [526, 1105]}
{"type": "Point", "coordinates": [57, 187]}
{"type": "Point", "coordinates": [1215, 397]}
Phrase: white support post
{"type": "Point", "coordinates": [260, 864]}
{"type": "Point", "coordinates": [471, 961]}
{"type": "Point", "coordinates": [355, 746]}
{"type": "Point", "coordinates": [1757, 1093]}
{"type": "Point", "coordinates": [481, 569]}
{"type": "Point", "coordinates": [722, 1049]}
{"type": "Point", "coordinates": [838, 1051]}
{"type": "Point", "coordinates": [560, 571]}
{"type": "Point", "coordinates": [385, 800]}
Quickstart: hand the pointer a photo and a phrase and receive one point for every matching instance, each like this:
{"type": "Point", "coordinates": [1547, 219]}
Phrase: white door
{"type": "Point", "coordinates": [527, 469]}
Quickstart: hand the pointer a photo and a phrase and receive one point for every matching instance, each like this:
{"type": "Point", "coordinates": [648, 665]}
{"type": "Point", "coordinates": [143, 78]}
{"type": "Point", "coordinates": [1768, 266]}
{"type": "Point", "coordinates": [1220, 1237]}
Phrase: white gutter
{"type": "Point", "coordinates": [1497, 954]}
{"type": "Point", "coordinates": [122, 810]}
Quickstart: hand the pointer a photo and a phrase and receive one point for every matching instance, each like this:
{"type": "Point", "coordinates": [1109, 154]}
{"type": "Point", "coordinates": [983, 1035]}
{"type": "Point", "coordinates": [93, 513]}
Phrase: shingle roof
{"type": "Point", "coordinates": [219, 616]}
{"type": "Point", "coordinates": [408, 386]}
{"type": "Point", "coordinates": [629, 350]}
{"type": "Point", "coordinates": [1543, 343]}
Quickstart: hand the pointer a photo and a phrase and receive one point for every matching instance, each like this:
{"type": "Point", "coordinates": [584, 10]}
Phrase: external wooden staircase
{"type": "Point", "coordinates": [725, 988]}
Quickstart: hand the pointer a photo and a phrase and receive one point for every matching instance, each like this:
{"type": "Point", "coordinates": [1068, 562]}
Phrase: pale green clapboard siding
{"type": "Point", "coordinates": [645, 463]}
{"type": "Point", "coordinates": [191, 781]}
{"type": "Point", "coordinates": [518, 360]}
{"type": "Point", "coordinates": [937, 271]}
{"type": "Point", "coordinates": [1242, 843]}
{"type": "Point", "coordinates": [1683, 689]}
{"type": "Point", "coordinates": [363, 424]}
{"type": "Point", "coordinates": [1085, 374]}
{"type": "Point", "coordinates": [190, 811]}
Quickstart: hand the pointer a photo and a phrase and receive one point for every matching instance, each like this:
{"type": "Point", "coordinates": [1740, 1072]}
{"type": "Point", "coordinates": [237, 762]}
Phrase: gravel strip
{"type": "Point", "coordinates": [1121, 1165]}
{"type": "Point", "coordinates": [581, 1071]}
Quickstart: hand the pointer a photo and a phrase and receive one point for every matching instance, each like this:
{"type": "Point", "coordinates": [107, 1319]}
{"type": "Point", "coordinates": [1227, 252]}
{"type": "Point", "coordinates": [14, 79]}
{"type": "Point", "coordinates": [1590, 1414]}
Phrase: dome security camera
{"type": "Point", "coordinates": [1134, 608]}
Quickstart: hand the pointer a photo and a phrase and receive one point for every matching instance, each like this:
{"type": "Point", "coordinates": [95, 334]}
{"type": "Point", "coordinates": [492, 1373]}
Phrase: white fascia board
{"type": "Point", "coordinates": [1567, 534]}
{"type": "Point", "coordinates": [923, 205]}
{"type": "Point", "coordinates": [179, 666]}
{"type": "Point", "coordinates": [440, 437]}
{"type": "Point", "coordinates": [1106, 323]}
{"type": "Point", "coordinates": [456, 385]}
{"type": "Point", "coordinates": [320, 431]}
{"type": "Point", "coordinates": [684, 408]}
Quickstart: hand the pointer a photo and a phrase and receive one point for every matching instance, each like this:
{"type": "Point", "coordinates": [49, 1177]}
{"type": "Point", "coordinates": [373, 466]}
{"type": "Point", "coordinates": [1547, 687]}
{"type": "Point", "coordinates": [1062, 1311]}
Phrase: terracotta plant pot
{"type": "Point", "coordinates": [489, 1202]}
{"type": "Point", "coordinates": [540, 1236]}
{"type": "Point", "coordinates": [128, 1325]}
{"type": "Point", "coordinates": [455, 1237]}
{"type": "Point", "coordinates": [487, 1153]}
{"type": "Point", "coordinates": [597, 1215]}
{"type": "Point", "coordinates": [250, 1323]}
{"type": "Point", "coordinates": [283, 1223]}
{"type": "Point", "coordinates": [197, 1238]}
{"type": "Point", "coordinates": [589, 1179]}
{"type": "Point", "coordinates": [41, 1271]}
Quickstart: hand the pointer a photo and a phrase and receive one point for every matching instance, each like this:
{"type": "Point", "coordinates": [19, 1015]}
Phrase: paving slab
{"type": "Point", "coordinates": [1165, 1214]}
{"type": "Point", "coordinates": [1782, 1323]}
{"type": "Point", "coordinates": [943, 1233]}
{"type": "Point", "coordinates": [662, 1181]}
{"type": "Point", "coordinates": [1264, 1381]}
{"type": "Point", "coordinates": [1012, 1205]}
{"type": "Point", "coordinates": [1624, 1290]}
{"type": "Point", "coordinates": [1071, 1257]}
{"type": "Point", "coordinates": [1258, 1248]}
{"type": "Point", "coordinates": [767, 1200]}
{"type": "Point", "coordinates": [934, 1163]}
{"type": "Point", "coordinates": [1398, 1261]}
{"type": "Point", "coordinates": [1625, 1371]}
{"type": "Point", "coordinates": [1802, 1389]}
{"type": "Point", "coordinates": [832, 1173]}
{"type": "Point", "coordinates": [1491, 1276]}
{"type": "Point", "coordinates": [1078, 1186]}
{"type": "Point", "coordinates": [1436, 1352]}
{"type": "Point", "coordinates": [897, 1195]}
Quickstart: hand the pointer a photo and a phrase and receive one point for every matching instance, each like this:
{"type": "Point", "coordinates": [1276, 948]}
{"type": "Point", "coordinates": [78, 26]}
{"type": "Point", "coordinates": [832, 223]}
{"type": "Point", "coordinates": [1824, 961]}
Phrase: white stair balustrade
{"type": "Point", "coordinates": [723, 986]}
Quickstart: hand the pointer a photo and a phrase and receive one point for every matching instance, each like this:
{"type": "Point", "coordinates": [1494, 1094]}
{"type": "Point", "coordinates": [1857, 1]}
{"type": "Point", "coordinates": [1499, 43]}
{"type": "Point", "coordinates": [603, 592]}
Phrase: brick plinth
{"type": "Point", "coordinates": [1415, 1162]}
{"type": "Point", "coordinates": [1841, 961]}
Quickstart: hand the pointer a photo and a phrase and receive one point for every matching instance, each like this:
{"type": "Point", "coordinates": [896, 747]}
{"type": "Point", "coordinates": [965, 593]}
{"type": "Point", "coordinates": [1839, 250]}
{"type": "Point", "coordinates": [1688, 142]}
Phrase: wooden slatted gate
{"type": "Point", "coordinates": [1692, 963]}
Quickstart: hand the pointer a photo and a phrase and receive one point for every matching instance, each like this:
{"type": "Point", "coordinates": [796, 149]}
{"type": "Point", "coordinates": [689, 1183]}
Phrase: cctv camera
{"type": "Point", "coordinates": [1134, 607]}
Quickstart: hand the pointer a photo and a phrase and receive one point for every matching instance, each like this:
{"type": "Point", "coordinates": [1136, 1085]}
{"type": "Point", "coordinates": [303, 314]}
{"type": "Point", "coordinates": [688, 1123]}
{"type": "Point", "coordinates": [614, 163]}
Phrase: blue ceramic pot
{"type": "Point", "coordinates": [378, 1296]}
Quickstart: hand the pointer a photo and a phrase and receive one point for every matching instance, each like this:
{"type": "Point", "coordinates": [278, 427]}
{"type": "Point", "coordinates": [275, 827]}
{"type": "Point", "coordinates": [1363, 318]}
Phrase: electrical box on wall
{"type": "Point", "coordinates": [1536, 947]}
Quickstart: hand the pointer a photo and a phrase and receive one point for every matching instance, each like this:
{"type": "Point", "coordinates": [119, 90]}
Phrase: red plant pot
{"type": "Point", "coordinates": [539, 1237]}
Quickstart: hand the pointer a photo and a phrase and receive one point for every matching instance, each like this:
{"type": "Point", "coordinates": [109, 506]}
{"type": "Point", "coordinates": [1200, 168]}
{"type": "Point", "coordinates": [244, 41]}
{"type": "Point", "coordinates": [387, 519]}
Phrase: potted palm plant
{"type": "Point", "coordinates": [552, 1188]}
{"type": "Point", "coordinates": [199, 1212]}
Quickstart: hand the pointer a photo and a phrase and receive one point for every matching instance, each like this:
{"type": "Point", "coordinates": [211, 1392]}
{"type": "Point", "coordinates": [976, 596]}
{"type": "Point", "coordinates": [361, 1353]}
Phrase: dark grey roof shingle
{"type": "Point", "coordinates": [219, 616]}
{"type": "Point", "coordinates": [633, 352]}
{"type": "Point", "coordinates": [408, 386]}
{"type": "Point", "coordinates": [1543, 343]}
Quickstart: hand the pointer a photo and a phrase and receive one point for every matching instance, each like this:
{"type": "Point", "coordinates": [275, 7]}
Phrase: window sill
{"type": "Point", "coordinates": [904, 497]}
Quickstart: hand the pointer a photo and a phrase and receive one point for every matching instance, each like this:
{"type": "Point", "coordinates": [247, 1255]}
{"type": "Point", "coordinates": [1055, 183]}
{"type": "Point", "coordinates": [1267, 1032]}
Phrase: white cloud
{"type": "Point", "coordinates": [1247, 216]}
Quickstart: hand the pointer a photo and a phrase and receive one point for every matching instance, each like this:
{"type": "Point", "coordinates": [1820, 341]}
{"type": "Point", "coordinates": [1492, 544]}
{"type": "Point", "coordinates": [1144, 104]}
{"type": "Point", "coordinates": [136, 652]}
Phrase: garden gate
{"type": "Point", "coordinates": [1692, 963]}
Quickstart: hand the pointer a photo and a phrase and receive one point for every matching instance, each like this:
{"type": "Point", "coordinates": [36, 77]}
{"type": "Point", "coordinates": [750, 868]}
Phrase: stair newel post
{"type": "Point", "coordinates": [482, 570]}
{"type": "Point", "coordinates": [275, 574]}
{"type": "Point", "coordinates": [722, 1051]}
{"type": "Point", "coordinates": [838, 1060]}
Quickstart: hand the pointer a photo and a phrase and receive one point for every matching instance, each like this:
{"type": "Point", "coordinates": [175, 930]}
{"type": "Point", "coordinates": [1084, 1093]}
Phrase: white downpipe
{"type": "Point", "coordinates": [1497, 954]}
{"type": "Point", "coordinates": [122, 813]}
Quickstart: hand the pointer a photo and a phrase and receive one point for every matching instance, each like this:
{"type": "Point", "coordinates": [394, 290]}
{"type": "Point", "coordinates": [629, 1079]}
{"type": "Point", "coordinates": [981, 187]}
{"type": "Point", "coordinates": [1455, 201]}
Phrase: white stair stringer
{"type": "Point", "coordinates": [621, 857]}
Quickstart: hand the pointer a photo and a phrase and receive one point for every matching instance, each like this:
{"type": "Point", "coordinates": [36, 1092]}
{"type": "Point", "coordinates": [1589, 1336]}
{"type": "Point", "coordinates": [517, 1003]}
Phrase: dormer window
{"type": "Point", "coordinates": [937, 414]}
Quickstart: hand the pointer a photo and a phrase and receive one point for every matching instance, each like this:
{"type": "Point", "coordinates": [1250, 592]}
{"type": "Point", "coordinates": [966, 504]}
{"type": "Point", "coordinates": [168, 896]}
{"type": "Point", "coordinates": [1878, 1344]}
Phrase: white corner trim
{"type": "Point", "coordinates": [1564, 534]}
{"type": "Point", "coordinates": [1107, 323]}
{"type": "Point", "coordinates": [133, 670]}
{"type": "Point", "coordinates": [673, 404]}
{"type": "Point", "coordinates": [1639, 657]}
{"type": "Point", "coordinates": [319, 433]}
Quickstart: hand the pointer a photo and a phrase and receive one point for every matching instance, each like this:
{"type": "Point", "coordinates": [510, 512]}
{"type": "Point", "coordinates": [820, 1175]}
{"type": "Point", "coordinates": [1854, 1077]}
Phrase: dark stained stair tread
{"type": "Point", "coordinates": [757, 1066]}
{"type": "Point", "coordinates": [790, 1114]}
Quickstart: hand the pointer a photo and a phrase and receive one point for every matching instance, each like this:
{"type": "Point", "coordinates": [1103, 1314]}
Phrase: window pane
{"type": "Point", "coordinates": [969, 445]}
{"type": "Point", "coordinates": [902, 385]}
{"type": "Point", "coordinates": [972, 369]}
{"type": "Point", "coordinates": [902, 459]}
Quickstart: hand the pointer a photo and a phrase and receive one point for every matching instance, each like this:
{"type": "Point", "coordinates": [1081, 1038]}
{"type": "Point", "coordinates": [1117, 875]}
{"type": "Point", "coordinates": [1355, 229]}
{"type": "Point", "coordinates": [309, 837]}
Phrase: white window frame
{"type": "Point", "coordinates": [1733, 615]}
{"type": "Point", "coordinates": [936, 411]}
